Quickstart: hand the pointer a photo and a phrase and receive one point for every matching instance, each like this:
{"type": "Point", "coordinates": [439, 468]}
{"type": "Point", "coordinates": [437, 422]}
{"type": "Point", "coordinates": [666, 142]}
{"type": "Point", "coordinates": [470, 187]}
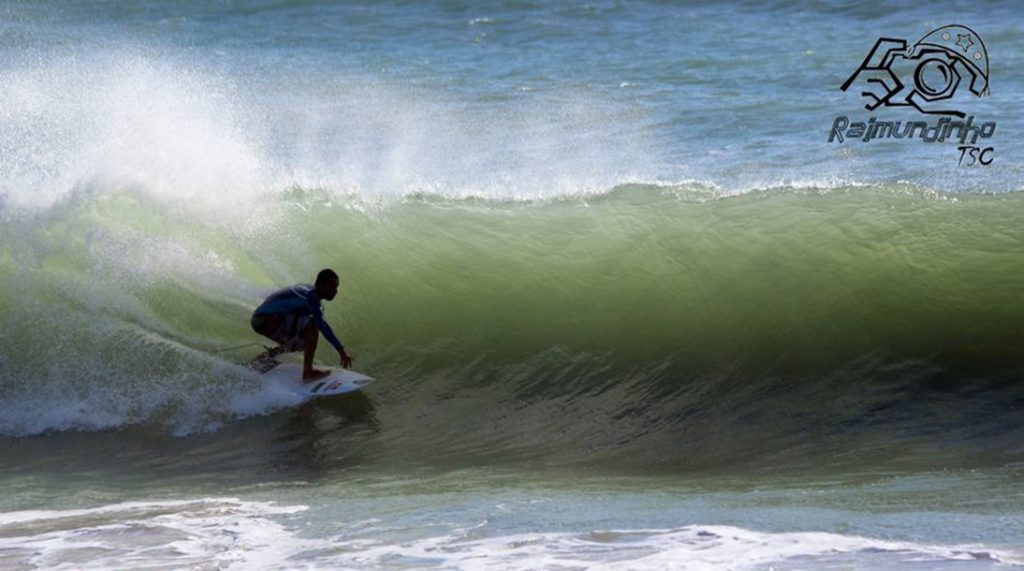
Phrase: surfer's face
{"type": "Point", "coordinates": [328, 290]}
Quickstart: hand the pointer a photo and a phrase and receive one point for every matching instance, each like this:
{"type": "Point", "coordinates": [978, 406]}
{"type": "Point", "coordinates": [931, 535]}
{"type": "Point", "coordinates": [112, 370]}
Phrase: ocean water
{"type": "Point", "coordinates": [627, 305]}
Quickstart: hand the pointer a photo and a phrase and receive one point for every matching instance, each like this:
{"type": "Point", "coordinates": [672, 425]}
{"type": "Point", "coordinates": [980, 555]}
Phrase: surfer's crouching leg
{"type": "Point", "coordinates": [311, 337]}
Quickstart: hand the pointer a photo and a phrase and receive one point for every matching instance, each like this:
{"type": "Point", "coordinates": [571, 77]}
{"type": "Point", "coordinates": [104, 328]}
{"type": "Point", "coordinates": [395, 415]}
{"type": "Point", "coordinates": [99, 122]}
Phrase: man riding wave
{"type": "Point", "coordinates": [293, 318]}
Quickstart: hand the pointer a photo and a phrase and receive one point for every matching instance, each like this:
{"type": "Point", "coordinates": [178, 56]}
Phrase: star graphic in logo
{"type": "Point", "coordinates": [964, 41]}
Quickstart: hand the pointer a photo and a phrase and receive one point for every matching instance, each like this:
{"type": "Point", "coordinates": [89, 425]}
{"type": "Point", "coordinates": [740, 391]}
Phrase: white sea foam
{"type": "Point", "coordinates": [694, 547]}
{"type": "Point", "coordinates": [228, 533]}
{"type": "Point", "coordinates": [216, 533]}
{"type": "Point", "coordinates": [101, 120]}
{"type": "Point", "coordinates": [204, 138]}
{"type": "Point", "coordinates": [95, 402]}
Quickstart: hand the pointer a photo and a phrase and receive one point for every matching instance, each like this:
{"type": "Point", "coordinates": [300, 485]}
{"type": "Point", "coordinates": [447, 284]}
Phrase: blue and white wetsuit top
{"type": "Point", "coordinates": [300, 299]}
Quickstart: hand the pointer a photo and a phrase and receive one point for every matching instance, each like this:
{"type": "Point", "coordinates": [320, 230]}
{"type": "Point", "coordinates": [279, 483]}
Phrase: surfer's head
{"type": "Point", "coordinates": [326, 284]}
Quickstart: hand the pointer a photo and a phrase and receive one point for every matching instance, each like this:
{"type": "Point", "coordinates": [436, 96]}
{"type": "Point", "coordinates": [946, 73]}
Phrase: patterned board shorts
{"type": "Point", "coordinates": [290, 334]}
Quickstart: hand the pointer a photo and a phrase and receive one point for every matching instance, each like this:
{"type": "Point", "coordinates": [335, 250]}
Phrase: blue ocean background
{"type": "Point", "coordinates": [626, 305]}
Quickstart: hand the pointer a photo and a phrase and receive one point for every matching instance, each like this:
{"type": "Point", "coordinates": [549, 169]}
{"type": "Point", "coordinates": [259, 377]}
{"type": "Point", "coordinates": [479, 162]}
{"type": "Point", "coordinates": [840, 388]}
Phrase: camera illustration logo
{"type": "Point", "coordinates": [925, 74]}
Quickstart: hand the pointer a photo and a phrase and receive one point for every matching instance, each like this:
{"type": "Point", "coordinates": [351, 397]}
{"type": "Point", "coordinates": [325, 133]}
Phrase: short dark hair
{"type": "Point", "coordinates": [326, 275]}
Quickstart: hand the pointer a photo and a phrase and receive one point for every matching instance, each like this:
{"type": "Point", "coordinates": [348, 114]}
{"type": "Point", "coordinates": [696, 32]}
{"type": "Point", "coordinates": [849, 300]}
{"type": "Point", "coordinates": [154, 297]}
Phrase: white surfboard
{"type": "Point", "coordinates": [288, 376]}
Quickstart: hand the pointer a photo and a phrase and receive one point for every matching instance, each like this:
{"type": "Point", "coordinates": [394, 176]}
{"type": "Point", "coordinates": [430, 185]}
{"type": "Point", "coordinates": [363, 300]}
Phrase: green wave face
{"type": "Point", "coordinates": [646, 274]}
{"type": "Point", "coordinates": [645, 323]}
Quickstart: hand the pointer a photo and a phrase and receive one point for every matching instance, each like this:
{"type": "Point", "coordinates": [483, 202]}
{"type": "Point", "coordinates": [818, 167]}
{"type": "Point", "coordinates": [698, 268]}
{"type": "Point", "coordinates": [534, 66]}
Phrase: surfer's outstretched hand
{"type": "Point", "coordinates": [346, 359]}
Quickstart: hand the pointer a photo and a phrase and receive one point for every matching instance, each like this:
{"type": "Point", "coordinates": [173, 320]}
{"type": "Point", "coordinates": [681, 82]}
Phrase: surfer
{"type": "Point", "coordinates": [292, 317]}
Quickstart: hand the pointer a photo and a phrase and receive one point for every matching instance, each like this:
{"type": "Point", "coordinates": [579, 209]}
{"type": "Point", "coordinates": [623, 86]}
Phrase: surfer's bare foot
{"type": "Point", "coordinates": [313, 374]}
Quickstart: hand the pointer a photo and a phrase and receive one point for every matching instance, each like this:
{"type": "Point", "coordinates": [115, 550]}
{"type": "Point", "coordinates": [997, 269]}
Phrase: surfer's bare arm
{"type": "Point", "coordinates": [321, 323]}
{"type": "Point", "coordinates": [346, 359]}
